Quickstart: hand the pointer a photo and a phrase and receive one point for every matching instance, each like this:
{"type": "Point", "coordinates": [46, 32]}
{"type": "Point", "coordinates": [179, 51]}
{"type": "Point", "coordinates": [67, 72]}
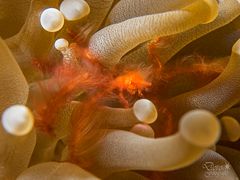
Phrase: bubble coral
{"type": "Point", "coordinates": [119, 89]}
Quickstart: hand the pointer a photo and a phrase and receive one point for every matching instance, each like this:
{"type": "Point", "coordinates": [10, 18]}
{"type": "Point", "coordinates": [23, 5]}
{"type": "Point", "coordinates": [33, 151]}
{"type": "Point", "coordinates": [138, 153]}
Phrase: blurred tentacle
{"type": "Point", "coordinates": [55, 170]}
{"type": "Point", "coordinates": [232, 155]}
{"type": "Point", "coordinates": [12, 16]}
{"type": "Point", "coordinates": [234, 112]}
{"type": "Point", "coordinates": [231, 129]}
{"type": "Point", "coordinates": [15, 153]}
{"type": "Point", "coordinates": [202, 169]}
{"type": "Point", "coordinates": [46, 143]}
{"type": "Point", "coordinates": [126, 175]}
{"type": "Point", "coordinates": [14, 87]}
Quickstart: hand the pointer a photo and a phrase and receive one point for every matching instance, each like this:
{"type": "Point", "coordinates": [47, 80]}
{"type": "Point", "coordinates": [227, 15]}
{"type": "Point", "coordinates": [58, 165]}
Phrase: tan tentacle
{"type": "Point", "coordinates": [14, 87]}
{"type": "Point", "coordinates": [123, 10]}
{"type": "Point", "coordinates": [228, 11]}
{"type": "Point", "coordinates": [112, 42]}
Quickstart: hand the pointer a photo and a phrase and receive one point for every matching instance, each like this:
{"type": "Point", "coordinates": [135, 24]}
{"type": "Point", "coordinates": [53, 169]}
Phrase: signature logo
{"type": "Point", "coordinates": [216, 169]}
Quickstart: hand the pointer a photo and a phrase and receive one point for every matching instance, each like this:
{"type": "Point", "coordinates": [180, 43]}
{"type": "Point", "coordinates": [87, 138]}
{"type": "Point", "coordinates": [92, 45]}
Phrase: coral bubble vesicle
{"type": "Point", "coordinates": [74, 9]}
{"type": "Point", "coordinates": [52, 20]}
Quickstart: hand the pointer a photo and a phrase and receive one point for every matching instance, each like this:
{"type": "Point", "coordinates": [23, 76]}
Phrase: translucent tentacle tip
{"type": "Point", "coordinates": [17, 120]}
{"type": "Point", "coordinates": [210, 8]}
{"type": "Point", "coordinates": [145, 111]}
{"type": "Point", "coordinates": [52, 20]}
{"type": "Point", "coordinates": [213, 12]}
{"type": "Point", "coordinates": [236, 47]}
{"type": "Point", "coordinates": [74, 9]}
{"type": "Point", "coordinates": [232, 128]}
{"type": "Point", "coordinates": [61, 44]}
{"type": "Point", "coordinates": [200, 128]}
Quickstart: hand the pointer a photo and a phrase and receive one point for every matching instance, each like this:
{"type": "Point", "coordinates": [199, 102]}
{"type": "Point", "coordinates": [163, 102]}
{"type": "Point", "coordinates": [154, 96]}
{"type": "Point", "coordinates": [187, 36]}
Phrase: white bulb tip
{"type": "Point", "coordinates": [200, 128]}
{"type": "Point", "coordinates": [145, 111]}
{"type": "Point", "coordinates": [74, 9]}
{"type": "Point", "coordinates": [61, 44]}
{"type": "Point", "coordinates": [17, 120]}
{"type": "Point", "coordinates": [52, 20]}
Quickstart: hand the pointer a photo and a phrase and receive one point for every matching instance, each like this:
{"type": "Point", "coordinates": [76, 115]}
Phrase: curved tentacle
{"type": "Point", "coordinates": [217, 96]}
{"type": "Point", "coordinates": [123, 10]}
{"type": "Point", "coordinates": [55, 170]}
{"type": "Point", "coordinates": [13, 157]}
{"type": "Point", "coordinates": [122, 150]}
{"type": "Point", "coordinates": [228, 11]}
{"type": "Point", "coordinates": [14, 87]}
{"type": "Point", "coordinates": [200, 169]}
{"type": "Point", "coordinates": [111, 43]}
